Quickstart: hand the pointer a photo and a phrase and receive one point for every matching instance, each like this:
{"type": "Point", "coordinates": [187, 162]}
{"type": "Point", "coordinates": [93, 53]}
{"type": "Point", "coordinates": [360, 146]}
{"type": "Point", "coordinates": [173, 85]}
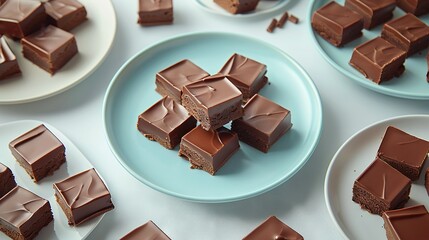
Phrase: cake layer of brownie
{"type": "Point", "coordinates": [165, 122]}
{"type": "Point", "coordinates": [380, 188]}
{"type": "Point", "coordinates": [373, 12]}
{"type": "Point", "coordinates": [337, 24]}
{"type": "Point", "coordinates": [23, 214]}
{"type": "Point", "coordinates": [263, 123]}
{"type": "Point", "coordinates": [7, 180]}
{"type": "Point", "coordinates": [273, 229]}
{"type": "Point", "coordinates": [147, 231]}
{"type": "Point", "coordinates": [50, 48]}
{"type": "Point", "coordinates": [170, 81]}
{"type": "Point", "coordinates": [155, 12]}
{"type": "Point", "coordinates": [246, 74]}
{"type": "Point", "coordinates": [408, 33]}
{"type": "Point", "coordinates": [209, 150]}
{"type": "Point", "coordinates": [407, 223]}
{"type": "Point", "coordinates": [416, 7]}
{"type": "Point", "coordinates": [65, 14]}
{"type": "Point", "coordinates": [39, 152]}
{"type": "Point", "coordinates": [19, 18]}
{"type": "Point", "coordinates": [404, 152]}
{"type": "Point", "coordinates": [83, 196]}
{"type": "Point", "coordinates": [378, 60]}
{"type": "Point", "coordinates": [8, 63]}
{"type": "Point", "coordinates": [214, 101]}
{"type": "Point", "coordinates": [237, 6]}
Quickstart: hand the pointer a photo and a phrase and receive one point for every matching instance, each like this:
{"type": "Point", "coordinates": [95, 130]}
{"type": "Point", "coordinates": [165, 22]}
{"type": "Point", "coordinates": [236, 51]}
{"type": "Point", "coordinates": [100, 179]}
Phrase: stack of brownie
{"type": "Point", "coordinates": [82, 196]}
{"type": "Point", "coordinates": [384, 186]}
{"type": "Point", "coordinates": [42, 28]}
{"type": "Point", "coordinates": [382, 58]}
{"type": "Point", "coordinates": [191, 95]}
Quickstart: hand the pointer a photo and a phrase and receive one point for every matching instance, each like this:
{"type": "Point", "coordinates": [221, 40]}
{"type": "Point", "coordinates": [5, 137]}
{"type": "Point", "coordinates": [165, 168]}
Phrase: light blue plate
{"type": "Point", "coordinates": [412, 84]}
{"type": "Point", "coordinates": [249, 172]}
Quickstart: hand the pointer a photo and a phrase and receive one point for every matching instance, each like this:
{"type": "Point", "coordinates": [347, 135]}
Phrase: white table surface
{"type": "Point", "coordinates": [347, 108]}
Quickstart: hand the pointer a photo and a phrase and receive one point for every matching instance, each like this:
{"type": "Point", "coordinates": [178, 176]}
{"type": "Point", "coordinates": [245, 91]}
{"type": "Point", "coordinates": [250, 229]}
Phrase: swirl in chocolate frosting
{"type": "Point", "coordinates": [166, 114]}
{"type": "Point", "coordinates": [243, 69]}
{"type": "Point", "coordinates": [60, 8]}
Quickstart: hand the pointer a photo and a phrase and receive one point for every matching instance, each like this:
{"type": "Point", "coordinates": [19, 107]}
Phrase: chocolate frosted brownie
{"type": "Point", "coordinates": [50, 48]}
{"type": "Point", "coordinates": [380, 188]}
{"type": "Point", "coordinates": [263, 123]}
{"type": "Point", "coordinates": [373, 12]}
{"type": "Point", "coordinates": [407, 223]}
{"type": "Point", "coordinates": [65, 14]}
{"type": "Point", "coordinates": [171, 80]}
{"type": "Point", "coordinates": [416, 7]}
{"type": "Point", "coordinates": [273, 229]}
{"type": "Point", "coordinates": [337, 24]}
{"type": "Point", "coordinates": [19, 18]}
{"type": "Point", "coordinates": [7, 180]}
{"type": "Point", "coordinates": [407, 33]}
{"type": "Point", "coordinates": [165, 122]}
{"type": "Point", "coordinates": [214, 101]}
{"type": "Point", "coordinates": [157, 12]}
{"type": "Point", "coordinates": [404, 152]}
{"type": "Point", "coordinates": [208, 150]}
{"type": "Point", "coordinates": [148, 231]}
{"type": "Point", "coordinates": [23, 214]}
{"type": "Point", "coordinates": [39, 152]}
{"type": "Point", "coordinates": [83, 196]}
{"type": "Point", "coordinates": [237, 6]}
{"type": "Point", "coordinates": [8, 63]}
{"type": "Point", "coordinates": [378, 60]}
{"type": "Point", "coordinates": [246, 74]}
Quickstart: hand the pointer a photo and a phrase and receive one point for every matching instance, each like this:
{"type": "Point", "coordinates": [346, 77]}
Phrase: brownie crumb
{"type": "Point", "coordinates": [293, 19]}
{"type": "Point", "coordinates": [283, 20]}
{"type": "Point", "coordinates": [272, 25]}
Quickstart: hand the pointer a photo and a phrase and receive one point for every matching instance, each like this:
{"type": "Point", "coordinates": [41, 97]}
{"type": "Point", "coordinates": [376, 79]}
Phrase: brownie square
{"type": "Point", "coordinates": [208, 150]}
{"type": "Point", "coordinates": [273, 229]}
{"type": "Point", "coordinates": [65, 14]}
{"type": "Point", "coordinates": [83, 196]}
{"type": "Point", "coordinates": [170, 81]}
{"type": "Point", "coordinates": [39, 152]}
{"type": "Point", "coordinates": [378, 60]}
{"type": "Point", "coordinates": [337, 24]}
{"type": "Point", "coordinates": [8, 63]}
{"type": "Point", "coordinates": [407, 223]}
{"type": "Point", "coordinates": [246, 74]}
{"type": "Point", "coordinates": [403, 151]}
{"type": "Point", "coordinates": [50, 48]}
{"type": "Point", "coordinates": [380, 188]}
{"type": "Point", "coordinates": [165, 122]}
{"type": "Point", "coordinates": [23, 214]}
{"type": "Point", "coordinates": [213, 101]}
{"type": "Point", "coordinates": [7, 180]}
{"type": "Point", "coordinates": [416, 7]}
{"type": "Point", "coordinates": [263, 123]}
{"type": "Point", "coordinates": [237, 6]}
{"type": "Point", "coordinates": [148, 230]}
{"type": "Point", "coordinates": [155, 12]}
{"type": "Point", "coordinates": [373, 12]}
{"type": "Point", "coordinates": [407, 33]}
{"type": "Point", "coordinates": [21, 18]}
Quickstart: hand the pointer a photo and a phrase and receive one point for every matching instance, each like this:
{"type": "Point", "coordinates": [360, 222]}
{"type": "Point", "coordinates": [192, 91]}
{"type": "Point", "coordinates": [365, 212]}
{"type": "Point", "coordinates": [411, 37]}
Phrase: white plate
{"type": "Point", "coordinates": [94, 39]}
{"type": "Point", "coordinates": [350, 161]}
{"type": "Point", "coordinates": [264, 7]}
{"type": "Point", "coordinates": [75, 163]}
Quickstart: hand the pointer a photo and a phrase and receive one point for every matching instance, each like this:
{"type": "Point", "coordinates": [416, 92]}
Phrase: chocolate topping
{"type": "Point", "coordinates": [373, 12]}
{"type": "Point", "coordinates": [408, 26]}
{"type": "Point", "coordinates": [18, 10]}
{"type": "Point", "coordinates": [61, 8]}
{"type": "Point", "coordinates": [152, 5]}
{"type": "Point", "coordinates": [243, 70]}
{"type": "Point", "coordinates": [337, 16]}
{"type": "Point", "coordinates": [49, 39]}
{"type": "Point", "coordinates": [380, 51]}
{"type": "Point", "coordinates": [146, 231]}
{"type": "Point", "coordinates": [273, 229]}
{"type": "Point", "coordinates": [210, 141]}
{"type": "Point", "coordinates": [407, 223]}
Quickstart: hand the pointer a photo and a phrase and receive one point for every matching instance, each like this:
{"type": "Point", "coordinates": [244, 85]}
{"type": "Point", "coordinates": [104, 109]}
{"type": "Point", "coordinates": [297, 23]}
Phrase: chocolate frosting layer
{"type": "Point", "coordinates": [409, 27]}
{"type": "Point", "coordinates": [243, 69]}
{"type": "Point", "coordinates": [383, 181]}
{"type": "Point", "coordinates": [49, 39]}
{"type": "Point", "coordinates": [19, 205]}
{"type": "Point", "coordinates": [154, 5]}
{"type": "Point", "coordinates": [273, 229]}
{"type": "Point", "coordinates": [409, 223]}
{"type": "Point", "coordinates": [338, 17]}
{"type": "Point", "coordinates": [372, 6]}
{"type": "Point", "coordinates": [380, 51]}
{"type": "Point", "coordinates": [210, 141]}
{"type": "Point", "coordinates": [18, 10]}
{"type": "Point", "coordinates": [147, 231]}
{"type": "Point", "coordinates": [401, 146]}
{"type": "Point", "coordinates": [60, 8]}
{"type": "Point", "coordinates": [6, 53]}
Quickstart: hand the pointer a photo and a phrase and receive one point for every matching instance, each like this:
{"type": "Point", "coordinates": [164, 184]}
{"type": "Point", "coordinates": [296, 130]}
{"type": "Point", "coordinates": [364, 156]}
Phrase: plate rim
{"type": "Point", "coordinates": [328, 175]}
{"type": "Point", "coordinates": [357, 79]}
{"type": "Point", "coordinates": [318, 111]}
{"type": "Point", "coordinates": [241, 16]}
{"type": "Point", "coordinates": [112, 37]}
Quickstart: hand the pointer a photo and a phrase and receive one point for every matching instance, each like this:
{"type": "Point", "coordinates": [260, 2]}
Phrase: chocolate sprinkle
{"type": "Point", "coordinates": [272, 25]}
